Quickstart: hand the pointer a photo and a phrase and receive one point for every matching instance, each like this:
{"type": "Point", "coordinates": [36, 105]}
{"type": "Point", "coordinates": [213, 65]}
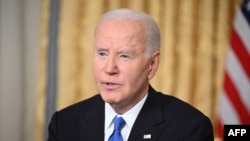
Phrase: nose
{"type": "Point", "coordinates": [111, 67]}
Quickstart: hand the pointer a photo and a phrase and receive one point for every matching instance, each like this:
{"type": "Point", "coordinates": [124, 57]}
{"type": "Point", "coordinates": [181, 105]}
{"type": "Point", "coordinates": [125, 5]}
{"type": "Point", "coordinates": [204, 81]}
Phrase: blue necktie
{"type": "Point", "coordinates": [118, 125]}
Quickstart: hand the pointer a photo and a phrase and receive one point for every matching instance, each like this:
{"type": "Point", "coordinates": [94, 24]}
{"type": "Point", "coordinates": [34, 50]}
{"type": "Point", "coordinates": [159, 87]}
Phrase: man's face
{"type": "Point", "coordinates": [121, 66]}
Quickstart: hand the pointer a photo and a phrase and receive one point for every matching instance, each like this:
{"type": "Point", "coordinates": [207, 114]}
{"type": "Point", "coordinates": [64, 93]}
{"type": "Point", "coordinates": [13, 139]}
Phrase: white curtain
{"type": "Point", "coordinates": [19, 45]}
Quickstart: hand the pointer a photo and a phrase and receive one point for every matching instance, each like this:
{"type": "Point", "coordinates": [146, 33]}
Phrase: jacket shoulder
{"type": "Point", "coordinates": [181, 120]}
{"type": "Point", "coordinates": [175, 105]}
{"type": "Point", "coordinates": [82, 106]}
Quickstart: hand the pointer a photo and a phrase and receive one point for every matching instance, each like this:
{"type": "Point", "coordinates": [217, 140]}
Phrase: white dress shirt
{"type": "Point", "coordinates": [129, 118]}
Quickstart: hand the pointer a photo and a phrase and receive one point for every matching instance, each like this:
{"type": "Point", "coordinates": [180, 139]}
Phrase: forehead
{"type": "Point", "coordinates": [120, 33]}
{"type": "Point", "coordinates": [117, 28]}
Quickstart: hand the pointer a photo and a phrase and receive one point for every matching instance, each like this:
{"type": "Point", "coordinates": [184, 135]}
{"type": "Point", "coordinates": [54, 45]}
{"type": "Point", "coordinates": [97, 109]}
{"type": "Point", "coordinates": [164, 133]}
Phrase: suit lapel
{"type": "Point", "coordinates": [147, 125]}
{"type": "Point", "coordinates": [149, 121]}
{"type": "Point", "coordinates": [92, 126]}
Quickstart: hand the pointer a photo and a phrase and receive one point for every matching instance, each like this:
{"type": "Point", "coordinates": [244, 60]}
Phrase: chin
{"type": "Point", "coordinates": [107, 98]}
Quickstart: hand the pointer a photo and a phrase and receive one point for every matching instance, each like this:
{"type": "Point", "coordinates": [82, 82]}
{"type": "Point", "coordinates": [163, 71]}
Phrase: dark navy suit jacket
{"type": "Point", "coordinates": [163, 117]}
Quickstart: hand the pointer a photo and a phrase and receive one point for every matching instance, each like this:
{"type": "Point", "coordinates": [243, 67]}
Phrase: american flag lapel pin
{"type": "Point", "coordinates": [147, 136]}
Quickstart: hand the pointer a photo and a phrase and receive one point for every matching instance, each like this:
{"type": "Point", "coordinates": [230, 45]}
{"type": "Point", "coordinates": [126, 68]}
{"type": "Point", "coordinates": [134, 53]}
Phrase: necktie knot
{"type": "Point", "coordinates": [118, 123]}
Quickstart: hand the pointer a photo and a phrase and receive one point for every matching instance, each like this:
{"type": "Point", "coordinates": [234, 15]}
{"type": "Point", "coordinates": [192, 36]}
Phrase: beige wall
{"type": "Point", "coordinates": [19, 37]}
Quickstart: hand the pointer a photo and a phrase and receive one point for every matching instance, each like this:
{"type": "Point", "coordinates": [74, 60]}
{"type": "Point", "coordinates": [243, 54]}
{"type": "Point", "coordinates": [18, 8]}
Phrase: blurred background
{"type": "Point", "coordinates": [46, 48]}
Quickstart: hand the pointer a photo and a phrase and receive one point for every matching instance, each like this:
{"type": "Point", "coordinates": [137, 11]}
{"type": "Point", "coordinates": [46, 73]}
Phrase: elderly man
{"type": "Point", "coordinates": [126, 56]}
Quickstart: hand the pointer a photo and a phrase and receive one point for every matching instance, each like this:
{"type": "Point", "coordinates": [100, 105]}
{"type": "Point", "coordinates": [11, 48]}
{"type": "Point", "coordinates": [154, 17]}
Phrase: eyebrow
{"type": "Point", "coordinates": [127, 52]}
{"type": "Point", "coordinates": [101, 49]}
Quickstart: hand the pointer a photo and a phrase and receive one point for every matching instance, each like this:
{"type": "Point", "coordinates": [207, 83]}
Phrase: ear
{"type": "Point", "coordinates": [154, 63]}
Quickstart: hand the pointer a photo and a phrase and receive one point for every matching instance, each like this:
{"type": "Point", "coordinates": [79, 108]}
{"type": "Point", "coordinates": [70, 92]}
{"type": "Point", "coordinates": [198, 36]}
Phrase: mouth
{"type": "Point", "coordinates": [110, 85]}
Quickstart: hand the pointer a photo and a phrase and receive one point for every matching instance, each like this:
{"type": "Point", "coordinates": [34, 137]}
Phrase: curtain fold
{"type": "Point", "coordinates": [195, 37]}
{"type": "Point", "coordinates": [68, 49]}
{"type": "Point", "coordinates": [41, 98]}
{"type": "Point", "coordinates": [203, 57]}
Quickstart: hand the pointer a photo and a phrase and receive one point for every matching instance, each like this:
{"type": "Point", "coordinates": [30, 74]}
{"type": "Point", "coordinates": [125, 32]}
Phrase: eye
{"type": "Point", "coordinates": [102, 53]}
{"type": "Point", "coordinates": [125, 56]}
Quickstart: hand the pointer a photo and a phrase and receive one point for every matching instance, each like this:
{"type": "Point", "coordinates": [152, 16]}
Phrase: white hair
{"type": "Point", "coordinates": [152, 30]}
